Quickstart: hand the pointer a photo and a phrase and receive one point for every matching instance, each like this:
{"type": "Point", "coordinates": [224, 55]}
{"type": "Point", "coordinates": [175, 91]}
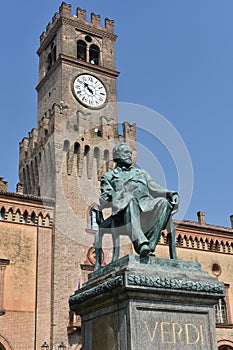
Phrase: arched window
{"type": "Point", "coordinates": [10, 215]}
{"type": "Point", "coordinates": [4, 344]}
{"type": "Point", "coordinates": [77, 156]}
{"type": "Point", "coordinates": [81, 50]}
{"type": "Point", "coordinates": [40, 219]}
{"type": "Point", "coordinates": [76, 148]}
{"type": "Point", "coordinates": [47, 220]}
{"type": "Point", "coordinates": [54, 54]}
{"type": "Point", "coordinates": [2, 214]}
{"type": "Point", "coordinates": [94, 54]}
{"type": "Point", "coordinates": [17, 216]}
{"type": "Point", "coordinates": [106, 159]}
{"type": "Point", "coordinates": [33, 218]}
{"type": "Point", "coordinates": [49, 61]}
{"type": "Point", "coordinates": [25, 217]}
{"type": "Point", "coordinates": [92, 220]}
{"type": "Point", "coordinates": [87, 156]}
{"type": "Point", "coordinates": [225, 347]}
{"type": "Point", "coordinates": [66, 146]}
{"type": "Point", "coordinates": [97, 157]}
{"type": "Point", "coordinates": [221, 311]}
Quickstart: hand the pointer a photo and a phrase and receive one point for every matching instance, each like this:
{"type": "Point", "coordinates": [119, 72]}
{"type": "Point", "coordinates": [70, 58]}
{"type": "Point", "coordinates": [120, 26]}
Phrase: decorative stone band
{"type": "Point", "coordinates": [175, 284]}
{"type": "Point", "coordinates": [101, 288]}
{"type": "Point", "coordinates": [151, 283]}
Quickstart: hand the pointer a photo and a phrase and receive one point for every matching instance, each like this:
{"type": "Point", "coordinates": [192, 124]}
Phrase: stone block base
{"type": "Point", "coordinates": [148, 303]}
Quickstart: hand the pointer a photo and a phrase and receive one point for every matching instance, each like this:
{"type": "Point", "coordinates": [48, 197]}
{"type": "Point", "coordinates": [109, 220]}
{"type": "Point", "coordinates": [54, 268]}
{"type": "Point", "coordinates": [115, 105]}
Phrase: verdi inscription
{"type": "Point", "coordinates": [172, 330]}
{"type": "Point", "coordinates": [175, 333]}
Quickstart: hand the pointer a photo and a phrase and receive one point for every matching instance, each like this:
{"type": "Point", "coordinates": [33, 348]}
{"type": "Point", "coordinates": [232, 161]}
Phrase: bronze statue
{"type": "Point", "coordinates": [140, 208]}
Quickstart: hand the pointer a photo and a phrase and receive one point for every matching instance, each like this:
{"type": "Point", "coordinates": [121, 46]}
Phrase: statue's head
{"type": "Point", "coordinates": [122, 155]}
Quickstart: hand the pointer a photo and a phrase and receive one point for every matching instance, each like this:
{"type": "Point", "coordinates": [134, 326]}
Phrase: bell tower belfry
{"type": "Point", "coordinates": [64, 157]}
{"type": "Point", "coordinates": [77, 66]}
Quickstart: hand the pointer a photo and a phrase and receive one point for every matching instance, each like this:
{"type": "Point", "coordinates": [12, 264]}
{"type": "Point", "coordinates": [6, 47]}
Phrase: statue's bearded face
{"type": "Point", "coordinates": [125, 156]}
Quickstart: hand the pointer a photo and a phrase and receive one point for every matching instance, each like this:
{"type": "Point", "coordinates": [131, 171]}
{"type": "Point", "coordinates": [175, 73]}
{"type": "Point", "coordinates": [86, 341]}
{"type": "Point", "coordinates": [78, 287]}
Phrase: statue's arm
{"type": "Point", "coordinates": [106, 193]}
{"type": "Point", "coordinates": [158, 191]}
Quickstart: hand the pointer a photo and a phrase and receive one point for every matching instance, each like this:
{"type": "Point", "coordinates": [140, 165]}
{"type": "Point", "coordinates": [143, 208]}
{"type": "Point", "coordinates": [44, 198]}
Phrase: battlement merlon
{"type": "Point", "coordinates": [79, 21]}
{"type": "Point", "coordinates": [29, 141]}
{"type": "Point", "coordinates": [3, 185]}
{"type": "Point", "coordinates": [28, 145]}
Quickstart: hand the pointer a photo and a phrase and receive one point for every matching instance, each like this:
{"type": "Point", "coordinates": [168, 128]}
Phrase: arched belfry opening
{"type": "Point", "coordinates": [94, 54]}
{"type": "Point", "coordinates": [81, 50]}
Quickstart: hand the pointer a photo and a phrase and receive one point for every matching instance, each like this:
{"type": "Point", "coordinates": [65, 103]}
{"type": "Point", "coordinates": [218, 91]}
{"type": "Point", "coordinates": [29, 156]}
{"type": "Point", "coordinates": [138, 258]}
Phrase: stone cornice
{"type": "Point", "coordinates": [77, 63]}
{"type": "Point", "coordinates": [27, 197]}
{"type": "Point", "coordinates": [88, 66]}
{"type": "Point", "coordinates": [104, 287]}
{"type": "Point", "coordinates": [186, 224]}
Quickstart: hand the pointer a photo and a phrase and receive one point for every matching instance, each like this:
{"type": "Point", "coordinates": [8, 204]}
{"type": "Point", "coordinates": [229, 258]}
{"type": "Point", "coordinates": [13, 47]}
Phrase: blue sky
{"type": "Point", "coordinates": [175, 57]}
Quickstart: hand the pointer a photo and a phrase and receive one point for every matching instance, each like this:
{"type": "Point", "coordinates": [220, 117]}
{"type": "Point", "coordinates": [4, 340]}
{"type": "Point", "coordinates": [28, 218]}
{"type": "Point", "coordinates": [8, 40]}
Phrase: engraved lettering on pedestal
{"type": "Point", "coordinates": [176, 329]}
{"type": "Point", "coordinates": [166, 333]}
{"type": "Point", "coordinates": [193, 335]}
{"type": "Point", "coordinates": [148, 331]}
{"type": "Point", "coordinates": [175, 333]}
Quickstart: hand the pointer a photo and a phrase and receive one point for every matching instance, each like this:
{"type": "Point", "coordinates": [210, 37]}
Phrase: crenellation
{"type": "Point", "coordinates": [24, 144]}
{"type": "Point", "coordinates": [49, 26]}
{"type": "Point", "coordinates": [129, 131]}
{"type": "Point", "coordinates": [55, 17]}
{"type": "Point", "coordinates": [42, 37]}
{"type": "Point", "coordinates": [3, 185]}
{"type": "Point", "coordinates": [81, 14]}
{"type": "Point", "coordinates": [28, 145]}
{"type": "Point", "coordinates": [109, 25]}
{"type": "Point", "coordinates": [28, 172]}
{"type": "Point", "coordinates": [33, 139]}
{"type": "Point", "coordinates": [65, 10]}
{"type": "Point", "coordinates": [44, 129]}
{"type": "Point", "coordinates": [78, 18]}
{"type": "Point", "coordinates": [129, 134]}
{"type": "Point", "coordinates": [95, 19]}
{"type": "Point", "coordinates": [19, 188]}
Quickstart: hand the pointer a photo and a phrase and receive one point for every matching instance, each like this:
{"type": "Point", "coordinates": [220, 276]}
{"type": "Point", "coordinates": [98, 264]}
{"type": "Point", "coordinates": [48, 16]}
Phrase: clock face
{"type": "Point", "coordinates": [90, 91]}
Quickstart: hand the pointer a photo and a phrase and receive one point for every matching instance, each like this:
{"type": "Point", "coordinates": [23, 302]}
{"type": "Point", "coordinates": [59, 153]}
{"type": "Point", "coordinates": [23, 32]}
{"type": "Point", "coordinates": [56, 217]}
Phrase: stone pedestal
{"type": "Point", "coordinates": [148, 303]}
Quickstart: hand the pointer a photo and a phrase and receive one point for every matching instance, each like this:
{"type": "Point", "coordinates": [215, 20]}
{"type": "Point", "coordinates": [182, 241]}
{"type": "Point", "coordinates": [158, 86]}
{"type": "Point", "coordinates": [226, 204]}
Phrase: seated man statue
{"type": "Point", "coordinates": [140, 207]}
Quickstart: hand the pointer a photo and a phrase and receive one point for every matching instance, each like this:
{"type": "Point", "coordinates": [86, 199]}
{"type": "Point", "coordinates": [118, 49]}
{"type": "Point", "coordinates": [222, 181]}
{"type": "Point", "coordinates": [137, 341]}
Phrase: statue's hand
{"type": "Point", "coordinates": [169, 196]}
{"type": "Point", "coordinates": [175, 200]}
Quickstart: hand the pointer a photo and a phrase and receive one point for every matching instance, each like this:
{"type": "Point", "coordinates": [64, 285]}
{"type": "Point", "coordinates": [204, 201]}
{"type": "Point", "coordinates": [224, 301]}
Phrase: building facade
{"type": "Point", "coordinates": [47, 226]}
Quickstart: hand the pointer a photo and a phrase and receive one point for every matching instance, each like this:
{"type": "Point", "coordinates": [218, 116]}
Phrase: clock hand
{"type": "Point", "coordinates": [88, 88]}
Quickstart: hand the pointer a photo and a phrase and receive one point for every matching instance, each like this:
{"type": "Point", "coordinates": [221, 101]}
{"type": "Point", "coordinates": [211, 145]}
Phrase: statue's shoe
{"type": "Point", "coordinates": [145, 250]}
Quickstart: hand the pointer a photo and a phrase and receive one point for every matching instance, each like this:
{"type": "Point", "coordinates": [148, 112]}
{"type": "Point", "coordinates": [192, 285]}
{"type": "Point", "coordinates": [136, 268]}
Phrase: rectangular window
{"type": "Point", "coordinates": [222, 309]}
{"type": "Point", "coordinates": [3, 264]}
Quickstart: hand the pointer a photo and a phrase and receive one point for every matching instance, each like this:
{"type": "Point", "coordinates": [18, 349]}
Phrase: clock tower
{"type": "Point", "coordinates": [65, 156]}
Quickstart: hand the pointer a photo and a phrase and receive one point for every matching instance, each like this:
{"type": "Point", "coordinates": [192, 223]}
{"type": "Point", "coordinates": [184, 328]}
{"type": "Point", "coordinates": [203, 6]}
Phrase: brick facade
{"type": "Point", "coordinates": [25, 230]}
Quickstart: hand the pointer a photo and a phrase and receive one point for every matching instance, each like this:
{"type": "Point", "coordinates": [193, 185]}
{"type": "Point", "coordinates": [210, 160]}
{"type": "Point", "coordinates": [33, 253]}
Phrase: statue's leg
{"type": "Point", "coordinates": [171, 239]}
{"type": "Point", "coordinates": [160, 217]}
{"type": "Point", "coordinates": [98, 249]}
{"type": "Point", "coordinates": [115, 241]}
{"type": "Point", "coordinates": [133, 227]}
